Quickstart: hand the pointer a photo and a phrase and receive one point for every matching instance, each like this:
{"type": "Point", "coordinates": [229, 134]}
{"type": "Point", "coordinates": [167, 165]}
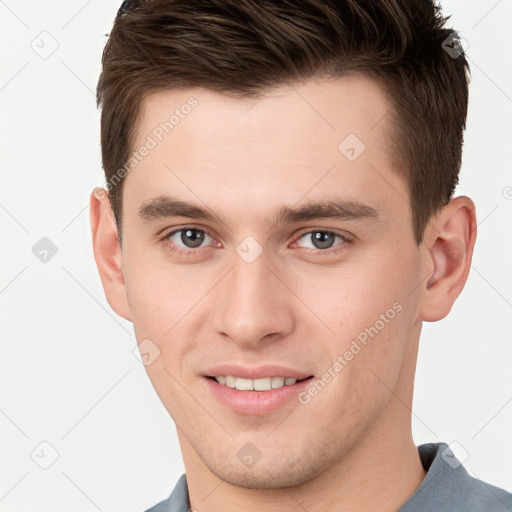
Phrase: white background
{"type": "Point", "coordinates": [68, 373]}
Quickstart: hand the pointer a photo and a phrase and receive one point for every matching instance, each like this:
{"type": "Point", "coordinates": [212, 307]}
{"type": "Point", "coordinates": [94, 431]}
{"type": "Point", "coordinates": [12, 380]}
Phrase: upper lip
{"type": "Point", "coordinates": [256, 372]}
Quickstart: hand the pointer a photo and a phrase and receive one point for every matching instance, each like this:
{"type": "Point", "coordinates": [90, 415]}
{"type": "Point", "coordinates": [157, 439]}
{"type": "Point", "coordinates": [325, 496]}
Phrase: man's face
{"type": "Point", "coordinates": [254, 289]}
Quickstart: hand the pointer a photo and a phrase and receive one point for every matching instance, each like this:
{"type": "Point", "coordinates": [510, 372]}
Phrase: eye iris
{"type": "Point", "coordinates": [322, 239]}
{"type": "Point", "coordinates": [195, 235]}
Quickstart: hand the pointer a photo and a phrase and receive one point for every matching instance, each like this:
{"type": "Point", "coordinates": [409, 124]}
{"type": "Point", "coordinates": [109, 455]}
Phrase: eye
{"type": "Point", "coordinates": [187, 239]}
{"type": "Point", "coordinates": [190, 241]}
{"type": "Point", "coordinates": [322, 240]}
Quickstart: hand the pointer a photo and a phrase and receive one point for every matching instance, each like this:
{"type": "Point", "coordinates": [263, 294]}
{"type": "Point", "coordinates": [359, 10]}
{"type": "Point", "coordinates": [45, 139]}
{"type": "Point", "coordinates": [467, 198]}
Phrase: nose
{"type": "Point", "coordinates": [253, 305]}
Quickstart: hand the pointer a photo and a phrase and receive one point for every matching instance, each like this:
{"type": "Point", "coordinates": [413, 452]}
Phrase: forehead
{"type": "Point", "coordinates": [296, 139]}
{"type": "Point", "coordinates": [323, 110]}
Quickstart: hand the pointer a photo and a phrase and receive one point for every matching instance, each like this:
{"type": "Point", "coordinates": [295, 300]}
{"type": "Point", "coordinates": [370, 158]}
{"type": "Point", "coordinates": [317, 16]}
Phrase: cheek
{"type": "Point", "coordinates": [158, 295]}
{"type": "Point", "coordinates": [352, 296]}
{"type": "Point", "coordinates": [164, 303]}
{"type": "Point", "coordinates": [369, 313]}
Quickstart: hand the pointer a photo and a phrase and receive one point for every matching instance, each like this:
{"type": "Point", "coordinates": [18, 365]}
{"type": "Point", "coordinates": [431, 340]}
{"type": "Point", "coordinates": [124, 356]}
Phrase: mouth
{"type": "Point", "coordinates": [256, 390]}
{"type": "Point", "coordinates": [258, 385]}
{"type": "Point", "coordinates": [255, 397]}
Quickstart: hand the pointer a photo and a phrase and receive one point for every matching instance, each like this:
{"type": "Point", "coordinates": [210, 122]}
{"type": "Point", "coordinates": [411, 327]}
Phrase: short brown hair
{"type": "Point", "coordinates": [244, 47]}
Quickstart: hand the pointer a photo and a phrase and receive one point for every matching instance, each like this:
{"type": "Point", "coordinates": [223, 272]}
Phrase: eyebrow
{"type": "Point", "coordinates": [164, 206]}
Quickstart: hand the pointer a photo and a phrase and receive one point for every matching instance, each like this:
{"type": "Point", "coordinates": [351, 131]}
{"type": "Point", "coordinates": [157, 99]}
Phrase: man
{"type": "Point", "coordinates": [279, 222]}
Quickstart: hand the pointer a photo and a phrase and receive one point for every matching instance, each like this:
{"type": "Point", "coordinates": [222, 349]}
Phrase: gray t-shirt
{"type": "Point", "coordinates": [447, 487]}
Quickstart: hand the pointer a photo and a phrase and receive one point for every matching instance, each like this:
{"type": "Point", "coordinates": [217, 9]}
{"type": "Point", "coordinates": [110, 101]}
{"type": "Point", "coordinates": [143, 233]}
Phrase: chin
{"type": "Point", "coordinates": [276, 472]}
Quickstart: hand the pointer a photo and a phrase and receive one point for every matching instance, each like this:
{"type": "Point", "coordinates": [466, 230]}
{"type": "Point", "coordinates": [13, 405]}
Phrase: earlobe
{"type": "Point", "coordinates": [449, 242]}
{"type": "Point", "coordinates": [107, 252]}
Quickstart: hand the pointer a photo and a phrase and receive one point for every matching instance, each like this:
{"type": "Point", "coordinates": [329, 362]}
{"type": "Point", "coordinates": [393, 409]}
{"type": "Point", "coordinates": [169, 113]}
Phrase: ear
{"type": "Point", "coordinates": [107, 252]}
{"type": "Point", "coordinates": [448, 243]}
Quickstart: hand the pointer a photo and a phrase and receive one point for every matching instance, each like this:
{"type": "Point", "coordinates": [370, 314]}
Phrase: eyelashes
{"type": "Point", "coordinates": [174, 247]}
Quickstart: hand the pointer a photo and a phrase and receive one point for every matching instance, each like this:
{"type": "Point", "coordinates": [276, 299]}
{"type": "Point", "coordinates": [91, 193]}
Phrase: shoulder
{"type": "Point", "coordinates": [163, 506]}
{"type": "Point", "coordinates": [178, 501]}
{"type": "Point", "coordinates": [448, 487]}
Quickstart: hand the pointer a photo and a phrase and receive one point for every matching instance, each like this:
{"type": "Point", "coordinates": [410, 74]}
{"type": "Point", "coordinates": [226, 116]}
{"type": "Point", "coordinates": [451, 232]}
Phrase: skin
{"type": "Point", "coordinates": [351, 447]}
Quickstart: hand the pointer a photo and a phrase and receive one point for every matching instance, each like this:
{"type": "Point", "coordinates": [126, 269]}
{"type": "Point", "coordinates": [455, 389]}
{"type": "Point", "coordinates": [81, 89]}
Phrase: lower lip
{"type": "Point", "coordinates": [255, 402]}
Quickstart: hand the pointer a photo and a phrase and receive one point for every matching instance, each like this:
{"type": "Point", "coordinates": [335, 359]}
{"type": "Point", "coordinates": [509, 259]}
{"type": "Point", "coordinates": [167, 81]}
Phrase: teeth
{"type": "Point", "coordinates": [264, 384]}
{"type": "Point", "coordinates": [277, 382]}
